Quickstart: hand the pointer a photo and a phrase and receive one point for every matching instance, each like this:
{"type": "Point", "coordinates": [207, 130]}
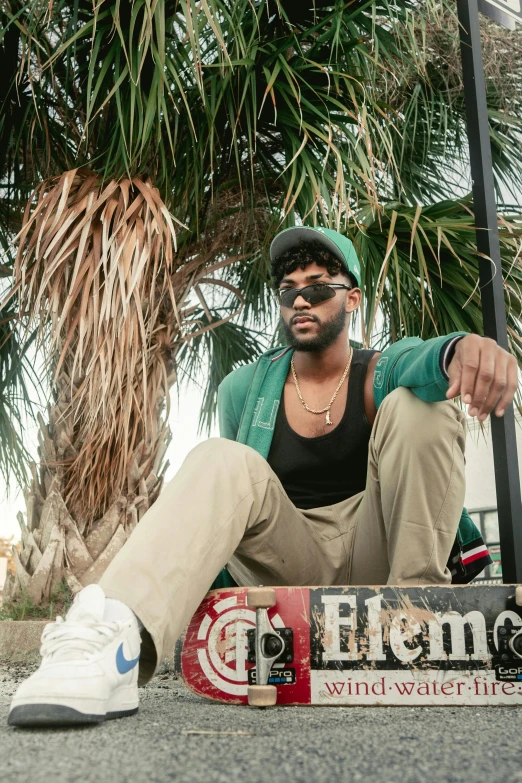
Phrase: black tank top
{"type": "Point", "coordinates": [325, 470]}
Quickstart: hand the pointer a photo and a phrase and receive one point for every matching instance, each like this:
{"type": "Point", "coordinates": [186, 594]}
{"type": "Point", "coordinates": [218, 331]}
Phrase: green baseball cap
{"type": "Point", "coordinates": [340, 246]}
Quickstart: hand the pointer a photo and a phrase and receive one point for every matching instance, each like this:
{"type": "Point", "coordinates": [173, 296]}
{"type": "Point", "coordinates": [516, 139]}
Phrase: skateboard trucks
{"type": "Point", "coordinates": [269, 645]}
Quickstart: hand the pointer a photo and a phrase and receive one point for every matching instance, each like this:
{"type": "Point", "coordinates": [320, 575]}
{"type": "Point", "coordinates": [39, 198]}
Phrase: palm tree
{"type": "Point", "coordinates": [148, 152]}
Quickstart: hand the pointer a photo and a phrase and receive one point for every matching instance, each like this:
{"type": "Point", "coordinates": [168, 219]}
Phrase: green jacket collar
{"type": "Point", "coordinates": [257, 423]}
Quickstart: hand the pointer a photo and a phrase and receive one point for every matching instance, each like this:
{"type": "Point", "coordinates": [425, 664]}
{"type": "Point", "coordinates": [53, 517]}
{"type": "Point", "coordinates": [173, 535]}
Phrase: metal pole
{"type": "Point", "coordinates": [491, 287]}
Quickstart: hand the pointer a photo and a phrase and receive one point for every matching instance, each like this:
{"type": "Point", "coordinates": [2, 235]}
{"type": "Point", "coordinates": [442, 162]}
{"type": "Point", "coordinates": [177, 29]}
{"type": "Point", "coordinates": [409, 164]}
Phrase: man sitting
{"type": "Point", "coordinates": [335, 466]}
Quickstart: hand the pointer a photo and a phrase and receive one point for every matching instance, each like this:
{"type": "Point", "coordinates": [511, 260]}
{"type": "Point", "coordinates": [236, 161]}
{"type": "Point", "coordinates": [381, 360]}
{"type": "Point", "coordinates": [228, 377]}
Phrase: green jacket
{"type": "Point", "coordinates": [249, 397]}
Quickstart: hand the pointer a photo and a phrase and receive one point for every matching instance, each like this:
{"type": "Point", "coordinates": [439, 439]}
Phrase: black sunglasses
{"type": "Point", "coordinates": [313, 294]}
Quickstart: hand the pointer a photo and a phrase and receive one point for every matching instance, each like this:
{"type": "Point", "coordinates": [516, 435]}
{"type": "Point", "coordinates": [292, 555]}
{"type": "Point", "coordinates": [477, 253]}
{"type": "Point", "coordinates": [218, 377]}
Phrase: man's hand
{"type": "Point", "coordinates": [485, 375]}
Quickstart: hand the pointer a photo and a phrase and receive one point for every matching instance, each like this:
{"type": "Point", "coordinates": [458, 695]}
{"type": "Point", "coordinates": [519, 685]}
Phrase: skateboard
{"type": "Point", "coordinates": [433, 645]}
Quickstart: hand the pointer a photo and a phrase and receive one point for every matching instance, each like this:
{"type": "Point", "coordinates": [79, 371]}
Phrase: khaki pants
{"type": "Point", "coordinates": [226, 506]}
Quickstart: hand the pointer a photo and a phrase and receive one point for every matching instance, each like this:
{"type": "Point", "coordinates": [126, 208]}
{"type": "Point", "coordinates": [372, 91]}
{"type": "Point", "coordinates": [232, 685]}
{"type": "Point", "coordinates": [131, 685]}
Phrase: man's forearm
{"type": "Point", "coordinates": [416, 364]}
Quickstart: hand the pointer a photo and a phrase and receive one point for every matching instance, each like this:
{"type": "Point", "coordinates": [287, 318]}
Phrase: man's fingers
{"type": "Point", "coordinates": [454, 375]}
{"type": "Point", "coordinates": [497, 386]}
{"type": "Point", "coordinates": [453, 389]}
{"type": "Point", "coordinates": [511, 385]}
{"type": "Point", "coordinates": [485, 374]}
{"type": "Point", "coordinates": [470, 360]}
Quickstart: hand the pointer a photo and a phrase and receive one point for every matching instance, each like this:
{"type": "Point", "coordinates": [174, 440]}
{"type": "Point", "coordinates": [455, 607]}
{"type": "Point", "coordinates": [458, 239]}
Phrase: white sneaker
{"type": "Point", "coordinates": [89, 670]}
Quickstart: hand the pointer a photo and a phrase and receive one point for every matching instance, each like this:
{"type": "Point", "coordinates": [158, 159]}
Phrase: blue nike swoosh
{"type": "Point", "coordinates": [122, 664]}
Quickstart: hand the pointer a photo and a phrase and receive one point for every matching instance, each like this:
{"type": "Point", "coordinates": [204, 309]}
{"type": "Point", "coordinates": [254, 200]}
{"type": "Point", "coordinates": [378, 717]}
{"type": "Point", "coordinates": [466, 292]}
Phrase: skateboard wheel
{"type": "Point", "coordinates": [262, 695]}
{"type": "Point", "coordinates": [261, 598]}
{"type": "Point", "coordinates": [518, 595]}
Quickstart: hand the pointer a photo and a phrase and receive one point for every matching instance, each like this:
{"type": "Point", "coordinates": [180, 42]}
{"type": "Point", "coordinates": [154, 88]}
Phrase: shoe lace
{"type": "Point", "coordinates": [63, 637]}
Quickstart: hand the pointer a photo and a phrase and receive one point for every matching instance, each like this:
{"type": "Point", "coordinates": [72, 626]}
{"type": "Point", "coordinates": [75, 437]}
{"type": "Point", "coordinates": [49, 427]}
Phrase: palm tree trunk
{"type": "Point", "coordinates": [56, 546]}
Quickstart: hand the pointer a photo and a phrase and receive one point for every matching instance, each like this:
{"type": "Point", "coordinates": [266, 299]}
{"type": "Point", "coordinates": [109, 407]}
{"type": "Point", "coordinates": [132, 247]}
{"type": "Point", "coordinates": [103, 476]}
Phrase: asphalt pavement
{"type": "Point", "coordinates": [177, 736]}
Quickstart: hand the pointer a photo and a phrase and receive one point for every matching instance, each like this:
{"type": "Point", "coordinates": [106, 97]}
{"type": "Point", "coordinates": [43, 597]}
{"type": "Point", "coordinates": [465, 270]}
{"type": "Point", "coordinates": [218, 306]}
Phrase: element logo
{"type": "Point", "coordinates": [224, 649]}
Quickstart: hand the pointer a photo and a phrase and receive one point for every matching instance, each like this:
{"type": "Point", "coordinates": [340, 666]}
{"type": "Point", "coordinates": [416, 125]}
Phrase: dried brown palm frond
{"type": "Point", "coordinates": [95, 272]}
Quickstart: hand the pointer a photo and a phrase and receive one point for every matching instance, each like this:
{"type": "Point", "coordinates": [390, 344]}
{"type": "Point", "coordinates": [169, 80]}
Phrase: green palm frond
{"type": "Point", "coordinates": [213, 355]}
{"type": "Point", "coordinates": [187, 92]}
{"type": "Point", "coordinates": [425, 100]}
{"type": "Point", "coordinates": [421, 269]}
{"type": "Point", "coordinates": [18, 389]}
{"type": "Point", "coordinates": [20, 386]}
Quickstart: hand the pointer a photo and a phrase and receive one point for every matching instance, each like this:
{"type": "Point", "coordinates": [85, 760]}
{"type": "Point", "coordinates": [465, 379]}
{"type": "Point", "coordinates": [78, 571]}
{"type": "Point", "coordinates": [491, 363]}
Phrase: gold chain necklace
{"type": "Point", "coordinates": [327, 409]}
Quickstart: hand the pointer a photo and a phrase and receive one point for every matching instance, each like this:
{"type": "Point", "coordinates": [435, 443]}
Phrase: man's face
{"type": "Point", "coordinates": [310, 327]}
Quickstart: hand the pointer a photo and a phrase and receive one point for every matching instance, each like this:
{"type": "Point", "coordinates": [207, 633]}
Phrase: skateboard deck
{"type": "Point", "coordinates": [434, 645]}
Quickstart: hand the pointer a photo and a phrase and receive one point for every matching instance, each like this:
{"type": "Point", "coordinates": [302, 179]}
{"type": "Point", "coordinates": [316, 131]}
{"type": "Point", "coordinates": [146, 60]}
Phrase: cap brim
{"type": "Point", "coordinates": [290, 238]}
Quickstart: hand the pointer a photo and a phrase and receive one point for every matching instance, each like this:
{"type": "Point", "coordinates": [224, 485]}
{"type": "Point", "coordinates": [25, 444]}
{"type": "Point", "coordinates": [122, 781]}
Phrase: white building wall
{"type": "Point", "coordinates": [481, 496]}
{"type": "Point", "coordinates": [480, 473]}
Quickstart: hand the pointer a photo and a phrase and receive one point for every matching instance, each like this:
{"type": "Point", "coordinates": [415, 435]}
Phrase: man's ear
{"type": "Point", "coordinates": [353, 300]}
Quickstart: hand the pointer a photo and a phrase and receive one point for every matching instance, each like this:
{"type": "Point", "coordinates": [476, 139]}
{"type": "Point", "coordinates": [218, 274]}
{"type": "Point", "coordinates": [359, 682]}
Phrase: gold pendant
{"type": "Point", "coordinates": [328, 419]}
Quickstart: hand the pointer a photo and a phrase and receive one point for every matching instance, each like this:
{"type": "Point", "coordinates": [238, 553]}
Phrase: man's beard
{"type": "Point", "coordinates": [328, 333]}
